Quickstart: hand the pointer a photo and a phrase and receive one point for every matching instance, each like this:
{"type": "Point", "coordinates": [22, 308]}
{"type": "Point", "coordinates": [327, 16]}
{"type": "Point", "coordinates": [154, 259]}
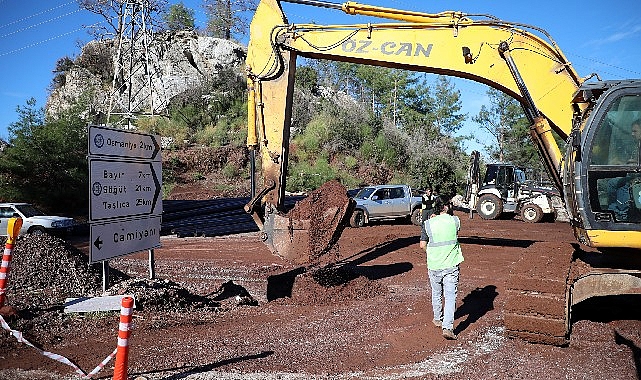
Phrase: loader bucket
{"type": "Point", "coordinates": [308, 233]}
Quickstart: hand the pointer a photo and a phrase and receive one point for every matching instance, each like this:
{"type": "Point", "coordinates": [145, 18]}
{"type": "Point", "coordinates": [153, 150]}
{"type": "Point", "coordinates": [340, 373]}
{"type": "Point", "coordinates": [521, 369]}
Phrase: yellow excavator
{"type": "Point", "coordinates": [599, 172]}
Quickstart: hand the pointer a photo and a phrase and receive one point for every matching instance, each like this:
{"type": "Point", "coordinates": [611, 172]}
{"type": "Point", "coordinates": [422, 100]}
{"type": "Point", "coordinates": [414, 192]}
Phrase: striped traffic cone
{"type": "Point", "coordinates": [122, 354]}
{"type": "Point", "coordinates": [13, 228]}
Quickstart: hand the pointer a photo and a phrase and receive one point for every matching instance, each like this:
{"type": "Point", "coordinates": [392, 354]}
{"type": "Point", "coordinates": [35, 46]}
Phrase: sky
{"type": "Point", "coordinates": [596, 36]}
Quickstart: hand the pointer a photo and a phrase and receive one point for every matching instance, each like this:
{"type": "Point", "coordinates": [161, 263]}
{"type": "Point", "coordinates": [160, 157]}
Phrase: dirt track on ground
{"type": "Point", "coordinates": [368, 318]}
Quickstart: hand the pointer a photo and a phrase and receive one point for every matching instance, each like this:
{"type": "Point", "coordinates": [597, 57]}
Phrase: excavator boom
{"type": "Point", "coordinates": [503, 55]}
{"type": "Point", "coordinates": [601, 189]}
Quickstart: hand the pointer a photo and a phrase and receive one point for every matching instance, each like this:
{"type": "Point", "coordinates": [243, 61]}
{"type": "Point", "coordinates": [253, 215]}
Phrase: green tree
{"type": "Point", "coordinates": [499, 118]}
{"type": "Point", "coordinates": [307, 78]}
{"type": "Point", "coordinates": [416, 110]}
{"type": "Point", "coordinates": [381, 84]}
{"type": "Point", "coordinates": [520, 150]}
{"type": "Point", "coordinates": [388, 119]}
{"type": "Point", "coordinates": [447, 106]}
{"type": "Point", "coordinates": [179, 17]}
{"type": "Point", "coordinates": [440, 172]}
{"type": "Point", "coordinates": [228, 17]}
{"type": "Point", "coordinates": [63, 65]}
{"type": "Point", "coordinates": [506, 121]}
{"type": "Point", "coordinates": [431, 116]}
{"type": "Point", "coordinates": [214, 113]}
{"type": "Point", "coordinates": [45, 162]}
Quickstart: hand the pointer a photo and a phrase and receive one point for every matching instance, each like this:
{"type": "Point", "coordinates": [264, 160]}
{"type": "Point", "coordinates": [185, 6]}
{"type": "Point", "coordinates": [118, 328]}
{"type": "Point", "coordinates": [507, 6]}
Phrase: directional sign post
{"type": "Point", "coordinates": [124, 188]}
{"type": "Point", "coordinates": [122, 237]}
{"type": "Point", "coordinates": [125, 184]}
{"type": "Point", "coordinates": [110, 142]}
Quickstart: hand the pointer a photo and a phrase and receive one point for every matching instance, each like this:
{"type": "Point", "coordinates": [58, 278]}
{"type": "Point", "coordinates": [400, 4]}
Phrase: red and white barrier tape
{"type": "Point", "coordinates": [56, 357]}
{"type": "Point", "coordinates": [102, 364]}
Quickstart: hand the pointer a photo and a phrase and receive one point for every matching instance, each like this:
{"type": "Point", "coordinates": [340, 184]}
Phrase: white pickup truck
{"type": "Point", "coordinates": [383, 202]}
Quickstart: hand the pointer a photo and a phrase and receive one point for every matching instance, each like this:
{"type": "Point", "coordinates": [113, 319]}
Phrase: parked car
{"type": "Point", "coordinates": [34, 221]}
{"type": "Point", "coordinates": [382, 202]}
{"type": "Point", "coordinates": [352, 192]}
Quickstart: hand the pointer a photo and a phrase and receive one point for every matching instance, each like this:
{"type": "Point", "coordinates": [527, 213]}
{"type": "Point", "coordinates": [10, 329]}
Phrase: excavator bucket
{"type": "Point", "coordinates": [309, 232]}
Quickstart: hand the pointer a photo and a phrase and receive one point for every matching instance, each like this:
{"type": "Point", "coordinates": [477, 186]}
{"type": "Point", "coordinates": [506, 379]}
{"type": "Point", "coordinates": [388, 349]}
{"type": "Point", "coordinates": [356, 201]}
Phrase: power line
{"type": "Point", "coordinates": [40, 23]}
{"type": "Point", "coordinates": [47, 40]}
{"type": "Point", "coordinates": [595, 61]}
{"type": "Point", "coordinates": [34, 15]}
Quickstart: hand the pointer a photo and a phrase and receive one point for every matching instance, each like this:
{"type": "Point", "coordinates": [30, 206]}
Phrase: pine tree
{"type": "Point", "coordinates": [179, 17]}
{"type": "Point", "coordinates": [227, 17]}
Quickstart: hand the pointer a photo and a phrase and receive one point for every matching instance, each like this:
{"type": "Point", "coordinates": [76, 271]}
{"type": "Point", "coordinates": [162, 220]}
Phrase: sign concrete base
{"type": "Point", "coordinates": [92, 304]}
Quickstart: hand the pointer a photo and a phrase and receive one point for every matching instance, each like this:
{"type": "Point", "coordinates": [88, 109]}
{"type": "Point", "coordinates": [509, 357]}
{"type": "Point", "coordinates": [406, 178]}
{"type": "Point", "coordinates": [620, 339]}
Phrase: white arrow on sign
{"type": "Point", "coordinates": [124, 188]}
{"type": "Point", "coordinates": [112, 142]}
{"type": "Point", "coordinates": [122, 237]}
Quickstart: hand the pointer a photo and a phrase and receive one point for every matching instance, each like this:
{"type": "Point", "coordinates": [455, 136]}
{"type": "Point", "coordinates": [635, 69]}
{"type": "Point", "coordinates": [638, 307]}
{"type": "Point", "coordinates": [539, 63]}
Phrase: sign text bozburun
{"type": "Point", "coordinates": [409, 49]}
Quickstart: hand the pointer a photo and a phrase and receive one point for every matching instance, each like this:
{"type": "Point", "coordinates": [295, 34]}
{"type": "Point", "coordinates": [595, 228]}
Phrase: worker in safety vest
{"type": "Point", "coordinates": [439, 237]}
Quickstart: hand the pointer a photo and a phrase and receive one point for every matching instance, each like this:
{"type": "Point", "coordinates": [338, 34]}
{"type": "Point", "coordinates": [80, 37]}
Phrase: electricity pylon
{"type": "Point", "coordinates": [133, 92]}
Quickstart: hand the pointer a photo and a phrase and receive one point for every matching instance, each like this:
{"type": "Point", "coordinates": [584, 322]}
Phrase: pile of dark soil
{"type": "Point", "coordinates": [328, 286]}
{"type": "Point", "coordinates": [324, 211]}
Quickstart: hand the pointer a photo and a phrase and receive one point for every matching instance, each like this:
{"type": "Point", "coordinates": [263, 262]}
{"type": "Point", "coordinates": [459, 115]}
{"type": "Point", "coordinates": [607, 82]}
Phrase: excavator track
{"type": "Point", "coordinates": [537, 302]}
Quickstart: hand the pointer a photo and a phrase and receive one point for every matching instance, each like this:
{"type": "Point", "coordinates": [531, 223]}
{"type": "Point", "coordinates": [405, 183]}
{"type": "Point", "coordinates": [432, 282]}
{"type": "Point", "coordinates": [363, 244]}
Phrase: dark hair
{"type": "Point", "coordinates": [439, 205]}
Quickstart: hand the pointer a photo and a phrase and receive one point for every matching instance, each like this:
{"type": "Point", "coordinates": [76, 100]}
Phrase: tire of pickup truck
{"type": "Point", "coordinates": [416, 217]}
{"type": "Point", "coordinates": [357, 219]}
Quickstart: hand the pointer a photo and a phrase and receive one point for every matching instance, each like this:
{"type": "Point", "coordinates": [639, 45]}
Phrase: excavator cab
{"type": "Point", "coordinates": [614, 161]}
{"type": "Point", "coordinates": [607, 163]}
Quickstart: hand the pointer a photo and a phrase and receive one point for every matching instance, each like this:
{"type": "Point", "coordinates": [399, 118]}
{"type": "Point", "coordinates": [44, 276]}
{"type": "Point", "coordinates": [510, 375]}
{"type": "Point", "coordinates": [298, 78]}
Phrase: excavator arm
{"type": "Point", "coordinates": [507, 56]}
{"type": "Point", "coordinates": [602, 193]}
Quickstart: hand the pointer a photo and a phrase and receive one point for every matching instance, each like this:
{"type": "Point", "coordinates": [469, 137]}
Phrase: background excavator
{"type": "Point", "coordinates": [600, 186]}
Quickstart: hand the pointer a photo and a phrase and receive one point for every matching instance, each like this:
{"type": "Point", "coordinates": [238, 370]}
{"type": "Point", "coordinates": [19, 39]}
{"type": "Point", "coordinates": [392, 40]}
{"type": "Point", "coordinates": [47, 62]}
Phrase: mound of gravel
{"type": "Point", "coordinates": [162, 295]}
{"type": "Point", "coordinates": [45, 271]}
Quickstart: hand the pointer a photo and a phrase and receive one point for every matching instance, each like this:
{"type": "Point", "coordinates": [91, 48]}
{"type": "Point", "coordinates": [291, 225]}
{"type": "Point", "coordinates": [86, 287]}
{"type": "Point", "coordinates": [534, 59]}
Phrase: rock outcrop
{"type": "Point", "coordinates": [179, 62]}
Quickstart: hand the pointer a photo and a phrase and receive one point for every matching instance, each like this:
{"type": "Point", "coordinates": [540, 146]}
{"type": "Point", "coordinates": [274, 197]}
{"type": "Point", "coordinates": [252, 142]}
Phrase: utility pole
{"type": "Point", "coordinates": [132, 90]}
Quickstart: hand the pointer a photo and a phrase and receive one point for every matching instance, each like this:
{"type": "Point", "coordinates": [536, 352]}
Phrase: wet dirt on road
{"type": "Point", "coordinates": [227, 308]}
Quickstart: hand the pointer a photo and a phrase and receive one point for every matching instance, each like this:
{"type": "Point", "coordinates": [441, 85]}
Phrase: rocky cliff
{"type": "Point", "coordinates": [178, 63]}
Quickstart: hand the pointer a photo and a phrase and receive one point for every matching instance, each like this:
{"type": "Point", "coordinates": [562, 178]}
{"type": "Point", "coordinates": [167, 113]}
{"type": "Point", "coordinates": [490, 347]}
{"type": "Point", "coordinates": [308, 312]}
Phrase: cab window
{"type": "Point", "coordinates": [380, 194]}
{"type": "Point", "coordinates": [614, 161]}
{"type": "Point", "coordinates": [614, 143]}
{"type": "Point", "coordinates": [396, 192]}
